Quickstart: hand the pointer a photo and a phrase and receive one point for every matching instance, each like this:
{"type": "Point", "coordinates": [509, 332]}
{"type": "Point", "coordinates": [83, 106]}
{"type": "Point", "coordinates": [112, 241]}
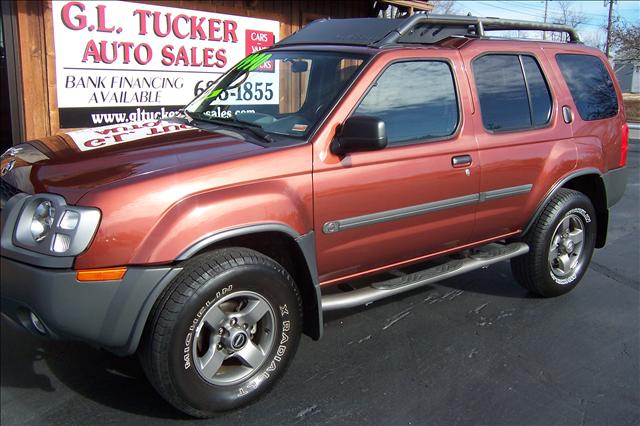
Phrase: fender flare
{"type": "Point", "coordinates": [556, 186]}
{"type": "Point", "coordinates": [306, 243]}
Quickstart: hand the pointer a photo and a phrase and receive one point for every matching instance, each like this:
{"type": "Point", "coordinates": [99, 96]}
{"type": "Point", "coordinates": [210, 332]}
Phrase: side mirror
{"type": "Point", "coordinates": [360, 133]}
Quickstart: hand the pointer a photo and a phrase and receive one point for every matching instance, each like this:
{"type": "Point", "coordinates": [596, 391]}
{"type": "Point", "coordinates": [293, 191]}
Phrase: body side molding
{"type": "Point", "coordinates": [505, 192]}
{"type": "Point", "coordinates": [396, 214]}
{"type": "Point", "coordinates": [334, 226]}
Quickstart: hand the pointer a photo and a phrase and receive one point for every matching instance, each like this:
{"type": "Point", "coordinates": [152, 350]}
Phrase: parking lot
{"type": "Point", "coordinates": [475, 349]}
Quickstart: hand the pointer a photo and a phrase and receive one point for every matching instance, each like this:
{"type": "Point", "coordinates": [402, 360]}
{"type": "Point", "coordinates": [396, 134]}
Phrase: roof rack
{"type": "Point", "coordinates": [419, 28]}
{"type": "Point", "coordinates": [480, 27]}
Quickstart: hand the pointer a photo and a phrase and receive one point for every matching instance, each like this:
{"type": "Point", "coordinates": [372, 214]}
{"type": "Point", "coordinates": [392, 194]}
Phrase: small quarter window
{"type": "Point", "coordinates": [590, 85]}
{"type": "Point", "coordinates": [417, 101]}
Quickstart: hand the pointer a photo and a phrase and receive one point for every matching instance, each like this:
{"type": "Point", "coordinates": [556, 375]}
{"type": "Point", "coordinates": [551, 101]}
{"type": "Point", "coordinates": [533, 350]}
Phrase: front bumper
{"type": "Point", "coordinates": [109, 314]}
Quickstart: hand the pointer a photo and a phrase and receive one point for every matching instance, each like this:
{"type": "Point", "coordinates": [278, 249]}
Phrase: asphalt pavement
{"type": "Point", "coordinates": [475, 349]}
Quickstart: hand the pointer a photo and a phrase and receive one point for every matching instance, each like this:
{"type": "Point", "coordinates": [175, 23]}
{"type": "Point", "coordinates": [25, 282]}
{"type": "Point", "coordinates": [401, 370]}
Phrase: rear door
{"type": "Point", "coordinates": [524, 144]}
{"type": "Point", "coordinates": [376, 209]}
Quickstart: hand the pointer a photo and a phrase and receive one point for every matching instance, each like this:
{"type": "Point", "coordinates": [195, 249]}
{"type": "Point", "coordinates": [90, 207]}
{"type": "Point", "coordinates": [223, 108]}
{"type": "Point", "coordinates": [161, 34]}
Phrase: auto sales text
{"type": "Point", "coordinates": [78, 16]}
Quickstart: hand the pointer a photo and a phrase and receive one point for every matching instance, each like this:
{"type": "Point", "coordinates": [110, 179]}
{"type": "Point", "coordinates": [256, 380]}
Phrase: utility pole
{"type": "Point", "coordinates": [546, 6]}
{"type": "Point", "coordinates": [609, 25]}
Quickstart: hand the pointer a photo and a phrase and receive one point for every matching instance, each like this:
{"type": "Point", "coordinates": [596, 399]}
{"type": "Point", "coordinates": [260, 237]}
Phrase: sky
{"type": "Point", "coordinates": [596, 12]}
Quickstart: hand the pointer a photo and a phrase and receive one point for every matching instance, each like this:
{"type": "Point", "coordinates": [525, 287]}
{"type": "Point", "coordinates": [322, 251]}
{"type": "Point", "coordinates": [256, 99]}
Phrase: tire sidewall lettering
{"type": "Point", "coordinates": [195, 323]}
{"type": "Point", "coordinates": [273, 364]}
{"type": "Point", "coordinates": [172, 352]}
{"type": "Point", "coordinates": [582, 212]}
{"type": "Point", "coordinates": [564, 281]}
{"type": "Point", "coordinates": [574, 275]}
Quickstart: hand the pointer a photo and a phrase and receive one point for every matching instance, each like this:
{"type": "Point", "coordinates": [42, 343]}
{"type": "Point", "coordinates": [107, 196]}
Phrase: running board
{"type": "Point", "coordinates": [477, 258]}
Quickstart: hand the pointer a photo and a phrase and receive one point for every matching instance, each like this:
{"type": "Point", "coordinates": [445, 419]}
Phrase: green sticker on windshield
{"type": "Point", "coordinates": [250, 63]}
{"type": "Point", "coordinates": [214, 94]}
{"type": "Point", "coordinates": [253, 61]}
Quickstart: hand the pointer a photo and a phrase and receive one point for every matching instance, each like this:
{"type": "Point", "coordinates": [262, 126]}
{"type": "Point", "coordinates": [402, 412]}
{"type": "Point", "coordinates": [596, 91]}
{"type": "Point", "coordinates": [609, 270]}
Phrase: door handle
{"type": "Point", "coordinates": [567, 114]}
{"type": "Point", "coordinates": [461, 161]}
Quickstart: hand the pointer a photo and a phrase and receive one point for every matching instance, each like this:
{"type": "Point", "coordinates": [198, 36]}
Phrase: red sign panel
{"type": "Point", "coordinates": [258, 40]}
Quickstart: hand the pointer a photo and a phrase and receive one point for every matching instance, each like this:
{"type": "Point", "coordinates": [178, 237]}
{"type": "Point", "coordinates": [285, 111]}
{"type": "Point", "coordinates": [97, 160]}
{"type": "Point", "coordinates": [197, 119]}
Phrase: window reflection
{"type": "Point", "coordinates": [590, 85]}
{"type": "Point", "coordinates": [417, 100]}
{"type": "Point", "coordinates": [502, 92]}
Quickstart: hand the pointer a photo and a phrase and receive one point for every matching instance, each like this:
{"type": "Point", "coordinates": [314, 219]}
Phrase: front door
{"type": "Point", "coordinates": [376, 209]}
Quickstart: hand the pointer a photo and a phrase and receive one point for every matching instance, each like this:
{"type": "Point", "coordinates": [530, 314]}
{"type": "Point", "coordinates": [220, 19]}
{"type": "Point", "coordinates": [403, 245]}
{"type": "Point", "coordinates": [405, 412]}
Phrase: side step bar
{"type": "Point", "coordinates": [477, 258]}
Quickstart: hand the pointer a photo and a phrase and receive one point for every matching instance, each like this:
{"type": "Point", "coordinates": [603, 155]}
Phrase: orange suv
{"type": "Point", "coordinates": [208, 242]}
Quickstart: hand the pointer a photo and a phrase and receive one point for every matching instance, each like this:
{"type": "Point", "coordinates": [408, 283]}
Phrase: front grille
{"type": "Point", "coordinates": [6, 192]}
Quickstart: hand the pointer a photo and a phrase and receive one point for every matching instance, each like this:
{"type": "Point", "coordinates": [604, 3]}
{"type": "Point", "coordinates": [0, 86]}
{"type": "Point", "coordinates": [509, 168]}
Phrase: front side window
{"type": "Point", "coordinates": [590, 85]}
{"type": "Point", "coordinates": [416, 100]}
{"type": "Point", "coordinates": [512, 91]}
{"type": "Point", "coordinates": [280, 92]}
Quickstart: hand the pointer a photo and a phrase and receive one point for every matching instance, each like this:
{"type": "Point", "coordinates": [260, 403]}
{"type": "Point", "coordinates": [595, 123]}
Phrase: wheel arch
{"type": "Point", "coordinates": [295, 252]}
{"type": "Point", "coordinates": [590, 183]}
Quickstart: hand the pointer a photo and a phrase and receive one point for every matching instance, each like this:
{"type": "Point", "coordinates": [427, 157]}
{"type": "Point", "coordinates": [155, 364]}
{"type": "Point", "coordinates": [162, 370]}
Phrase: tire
{"type": "Point", "coordinates": [202, 370]}
{"type": "Point", "coordinates": [552, 271]}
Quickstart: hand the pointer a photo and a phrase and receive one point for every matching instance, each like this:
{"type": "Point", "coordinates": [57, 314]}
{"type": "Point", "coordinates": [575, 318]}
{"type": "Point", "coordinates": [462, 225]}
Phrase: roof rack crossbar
{"type": "Point", "coordinates": [481, 26]}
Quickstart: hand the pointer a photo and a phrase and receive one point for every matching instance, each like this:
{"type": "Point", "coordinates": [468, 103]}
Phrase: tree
{"type": "Point", "coordinates": [444, 7]}
{"type": "Point", "coordinates": [596, 39]}
{"type": "Point", "coordinates": [383, 9]}
{"type": "Point", "coordinates": [567, 16]}
{"type": "Point", "coordinates": [626, 41]}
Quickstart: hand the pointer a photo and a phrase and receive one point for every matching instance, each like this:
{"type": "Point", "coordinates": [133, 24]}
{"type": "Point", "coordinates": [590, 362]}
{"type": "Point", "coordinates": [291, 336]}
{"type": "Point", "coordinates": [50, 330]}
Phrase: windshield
{"type": "Point", "coordinates": [279, 92]}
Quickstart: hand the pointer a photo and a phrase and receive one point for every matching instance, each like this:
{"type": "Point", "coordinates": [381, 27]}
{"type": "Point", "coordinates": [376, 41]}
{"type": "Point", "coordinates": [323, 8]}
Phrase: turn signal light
{"type": "Point", "coordinates": [109, 274]}
{"type": "Point", "coordinates": [624, 145]}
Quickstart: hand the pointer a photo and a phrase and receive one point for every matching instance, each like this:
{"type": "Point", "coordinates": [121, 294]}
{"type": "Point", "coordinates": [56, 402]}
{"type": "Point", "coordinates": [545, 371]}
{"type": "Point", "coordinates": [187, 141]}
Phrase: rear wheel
{"type": "Point", "coordinates": [561, 244]}
{"type": "Point", "coordinates": [223, 332]}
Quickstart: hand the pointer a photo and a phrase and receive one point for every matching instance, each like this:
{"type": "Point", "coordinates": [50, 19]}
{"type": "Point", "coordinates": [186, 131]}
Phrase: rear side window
{"type": "Point", "coordinates": [590, 85]}
{"type": "Point", "coordinates": [513, 93]}
{"type": "Point", "coordinates": [417, 101]}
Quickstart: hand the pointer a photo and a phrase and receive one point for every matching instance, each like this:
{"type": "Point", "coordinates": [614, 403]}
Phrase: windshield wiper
{"type": "Point", "coordinates": [254, 128]}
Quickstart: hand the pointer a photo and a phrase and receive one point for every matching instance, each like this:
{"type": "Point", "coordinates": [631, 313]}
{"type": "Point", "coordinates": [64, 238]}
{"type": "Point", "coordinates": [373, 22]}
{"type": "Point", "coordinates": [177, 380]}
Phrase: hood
{"type": "Point", "coordinates": [74, 163]}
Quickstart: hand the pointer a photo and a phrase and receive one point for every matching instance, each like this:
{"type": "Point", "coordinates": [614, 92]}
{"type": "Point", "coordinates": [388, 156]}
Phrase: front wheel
{"type": "Point", "coordinates": [561, 244]}
{"type": "Point", "coordinates": [223, 332]}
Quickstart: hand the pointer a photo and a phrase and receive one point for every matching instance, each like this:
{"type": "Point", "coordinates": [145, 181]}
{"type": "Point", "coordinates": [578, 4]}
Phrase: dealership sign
{"type": "Point", "coordinates": [119, 61]}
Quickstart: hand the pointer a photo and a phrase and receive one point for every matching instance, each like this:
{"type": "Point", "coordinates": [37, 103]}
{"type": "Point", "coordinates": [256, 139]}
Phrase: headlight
{"type": "Point", "coordinates": [48, 225]}
{"type": "Point", "coordinates": [42, 220]}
